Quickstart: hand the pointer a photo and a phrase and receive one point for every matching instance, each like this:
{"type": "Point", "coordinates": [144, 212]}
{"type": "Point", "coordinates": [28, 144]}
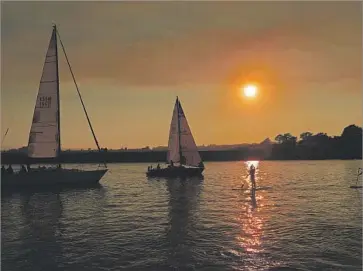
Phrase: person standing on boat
{"type": "Point", "coordinates": [10, 169]}
{"type": "Point", "coordinates": [252, 176]}
{"type": "Point", "coordinates": [182, 160]}
{"type": "Point", "coordinates": [23, 170]}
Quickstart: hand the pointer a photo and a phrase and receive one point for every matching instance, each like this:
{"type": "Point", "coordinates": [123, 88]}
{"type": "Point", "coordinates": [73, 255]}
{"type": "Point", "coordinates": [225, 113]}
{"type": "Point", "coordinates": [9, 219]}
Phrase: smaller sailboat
{"type": "Point", "coordinates": [183, 157]}
{"type": "Point", "coordinates": [44, 137]}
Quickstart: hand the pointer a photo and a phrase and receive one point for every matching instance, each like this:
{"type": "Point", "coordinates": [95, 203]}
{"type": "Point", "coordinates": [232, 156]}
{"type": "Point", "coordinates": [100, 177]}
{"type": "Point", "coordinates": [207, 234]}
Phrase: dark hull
{"type": "Point", "coordinates": [52, 178]}
{"type": "Point", "coordinates": [175, 172]}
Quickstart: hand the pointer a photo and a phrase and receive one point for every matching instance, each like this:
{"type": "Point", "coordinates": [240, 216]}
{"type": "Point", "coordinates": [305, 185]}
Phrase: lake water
{"type": "Point", "coordinates": [309, 220]}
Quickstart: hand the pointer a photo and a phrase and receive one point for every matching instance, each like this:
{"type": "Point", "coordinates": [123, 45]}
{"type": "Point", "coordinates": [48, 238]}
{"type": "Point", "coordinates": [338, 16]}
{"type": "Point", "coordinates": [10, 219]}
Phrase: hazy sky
{"type": "Point", "coordinates": [132, 59]}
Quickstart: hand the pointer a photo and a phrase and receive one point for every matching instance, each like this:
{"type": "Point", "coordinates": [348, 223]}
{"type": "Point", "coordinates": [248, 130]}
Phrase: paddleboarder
{"type": "Point", "coordinates": [252, 176]}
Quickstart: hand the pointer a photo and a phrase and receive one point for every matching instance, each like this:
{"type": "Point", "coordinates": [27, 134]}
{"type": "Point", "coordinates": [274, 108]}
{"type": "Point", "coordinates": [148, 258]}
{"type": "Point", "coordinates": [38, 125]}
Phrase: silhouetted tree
{"type": "Point", "coordinates": [320, 145]}
{"type": "Point", "coordinates": [352, 131]}
{"type": "Point", "coordinates": [306, 135]}
{"type": "Point", "coordinates": [285, 138]}
{"type": "Point", "coordinates": [351, 142]}
{"type": "Point", "coordinates": [286, 147]}
{"type": "Point", "coordinates": [280, 138]}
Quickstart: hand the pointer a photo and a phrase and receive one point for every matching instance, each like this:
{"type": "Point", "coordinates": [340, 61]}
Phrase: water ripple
{"type": "Point", "coordinates": [309, 220]}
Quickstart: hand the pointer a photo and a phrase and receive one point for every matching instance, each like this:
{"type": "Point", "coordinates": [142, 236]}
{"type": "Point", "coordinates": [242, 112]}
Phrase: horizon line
{"type": "Point", "coordinates": [199, 146]}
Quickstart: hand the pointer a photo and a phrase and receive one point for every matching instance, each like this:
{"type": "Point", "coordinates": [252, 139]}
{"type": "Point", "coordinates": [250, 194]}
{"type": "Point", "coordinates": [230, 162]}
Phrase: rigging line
{"type": "Point", "coordinates": [79, 95]}
{"type": "Point", "coordinates": [7, 130]}
{"type": "Point", "coordinates": [2, 141]}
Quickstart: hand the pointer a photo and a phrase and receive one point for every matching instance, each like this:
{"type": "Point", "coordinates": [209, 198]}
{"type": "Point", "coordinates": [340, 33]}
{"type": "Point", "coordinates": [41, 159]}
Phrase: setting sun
{"type": "Point", "coordinates": [250, 90]}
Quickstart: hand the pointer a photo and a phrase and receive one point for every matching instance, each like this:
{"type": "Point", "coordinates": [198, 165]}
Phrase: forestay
{"type": "Point", "coordinates": [44, 135]}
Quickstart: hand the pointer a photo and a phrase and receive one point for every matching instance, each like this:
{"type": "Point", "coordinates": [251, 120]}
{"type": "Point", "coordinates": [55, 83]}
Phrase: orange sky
{"type": "Point", "coordinates": [132, 59]}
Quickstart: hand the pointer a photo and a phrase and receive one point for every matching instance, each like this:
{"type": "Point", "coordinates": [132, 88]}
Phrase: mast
{"type": "Point", "coordinates": [58, 96]}
{"type": "Point", "coordinates": [179, 132]}
{"type": "Point", "coordinates": [80, 97]}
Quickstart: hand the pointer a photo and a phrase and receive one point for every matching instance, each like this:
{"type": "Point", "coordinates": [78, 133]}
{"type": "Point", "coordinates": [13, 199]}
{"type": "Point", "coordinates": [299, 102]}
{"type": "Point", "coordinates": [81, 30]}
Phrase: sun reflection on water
{"type": "Point", "coordinates": [249, 238]}
{"type": "Point", "coordinates": [249, 163]}
{"type": "Point", "coordinates": [251, 232]}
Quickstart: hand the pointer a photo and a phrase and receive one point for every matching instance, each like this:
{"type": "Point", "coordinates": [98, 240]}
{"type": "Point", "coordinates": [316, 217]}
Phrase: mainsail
{"type": "Point", "coordinates": [181, 141]}
{"type": "Point", "coordinates": [44, 138]}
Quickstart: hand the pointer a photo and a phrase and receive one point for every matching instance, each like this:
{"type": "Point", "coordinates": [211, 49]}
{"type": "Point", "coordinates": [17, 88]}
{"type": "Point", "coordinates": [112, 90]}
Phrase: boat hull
{"type": "Point", "coordinates": [52, 178]}
{"type": "Point", "coordinates": [175, 172]}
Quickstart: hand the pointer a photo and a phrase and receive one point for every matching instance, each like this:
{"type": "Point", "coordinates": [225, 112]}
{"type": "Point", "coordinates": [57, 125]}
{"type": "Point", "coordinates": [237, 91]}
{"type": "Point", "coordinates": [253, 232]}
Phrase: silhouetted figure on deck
{"type": "Point", "coordinates": [28, 168]}
{"type": "Point", "coordinates": [23, 169]}
{"type": "Point", "coordinates": [171, 163]}
{"type": "Point", "coordinates": [183, 160]}
{"type": "Point", "coordinates": [10, 170]}
{"type": "Point", "coordinates": [3, 170]}
{"type": "Point", "coordinates": [158, 166]}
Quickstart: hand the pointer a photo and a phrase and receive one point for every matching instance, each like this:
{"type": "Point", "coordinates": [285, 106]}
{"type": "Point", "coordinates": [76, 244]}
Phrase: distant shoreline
{"type": "Point", "coordinates": [310, 147]}
{"type": "Point", "coordinates": [87, 157]}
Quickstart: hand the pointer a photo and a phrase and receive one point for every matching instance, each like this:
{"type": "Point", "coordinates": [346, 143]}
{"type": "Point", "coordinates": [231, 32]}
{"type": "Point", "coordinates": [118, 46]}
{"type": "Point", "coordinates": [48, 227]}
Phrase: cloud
{"type": "Point", "coordinates": [169, 44]}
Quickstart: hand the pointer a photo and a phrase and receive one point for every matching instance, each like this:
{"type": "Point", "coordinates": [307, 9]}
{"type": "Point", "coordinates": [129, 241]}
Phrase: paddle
{"type": "Point", "coordinates": [242, 184]}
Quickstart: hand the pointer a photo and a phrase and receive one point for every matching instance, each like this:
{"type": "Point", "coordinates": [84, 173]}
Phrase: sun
{"type": "Point", "coordinates": [249, 91]}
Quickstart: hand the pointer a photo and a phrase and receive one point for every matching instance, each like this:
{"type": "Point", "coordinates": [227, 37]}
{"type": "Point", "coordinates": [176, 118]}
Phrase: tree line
{"type": "Point", "coordinates": [319, 146]}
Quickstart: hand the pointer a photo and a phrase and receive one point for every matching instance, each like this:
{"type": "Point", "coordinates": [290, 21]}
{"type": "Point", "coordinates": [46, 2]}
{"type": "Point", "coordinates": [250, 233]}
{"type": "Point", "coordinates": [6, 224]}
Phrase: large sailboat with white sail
{"type": "Point", "coordinates": [183, 157]}
{"type": "Point", "coordinates": [45, 133]}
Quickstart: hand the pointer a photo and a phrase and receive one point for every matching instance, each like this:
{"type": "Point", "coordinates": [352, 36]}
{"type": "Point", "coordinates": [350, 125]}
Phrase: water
{"type": "Point", "coordinates": [309, 220]}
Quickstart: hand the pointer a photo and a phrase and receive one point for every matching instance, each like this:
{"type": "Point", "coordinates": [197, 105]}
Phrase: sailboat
{"type": "Point", "coordinates": [44, 137]}
{"type": "Point", "coordinates": [183, 156]}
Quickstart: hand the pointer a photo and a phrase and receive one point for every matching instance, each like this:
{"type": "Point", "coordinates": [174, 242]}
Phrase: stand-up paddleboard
{"type": "Point", "coordinates": [257, 188]}
{"type": "Point", "coordinates": [264, 188]}
{"type": "Point", "coordinates": [239, 188]}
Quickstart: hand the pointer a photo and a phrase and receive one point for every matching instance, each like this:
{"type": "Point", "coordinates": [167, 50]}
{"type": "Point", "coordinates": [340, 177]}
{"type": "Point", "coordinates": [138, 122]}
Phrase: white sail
{"type": "Point", "coordinates": [44, 133]}
{"type": "Point", "coordinates": [189, 149]}
{"type": "Point", "coordinates": [173, 145]}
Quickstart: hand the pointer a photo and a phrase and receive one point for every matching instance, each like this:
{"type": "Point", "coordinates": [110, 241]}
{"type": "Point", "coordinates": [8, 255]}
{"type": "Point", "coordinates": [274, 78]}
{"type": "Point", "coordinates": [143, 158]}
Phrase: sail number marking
{"type": "Point", "coordinates": [45, 102]}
